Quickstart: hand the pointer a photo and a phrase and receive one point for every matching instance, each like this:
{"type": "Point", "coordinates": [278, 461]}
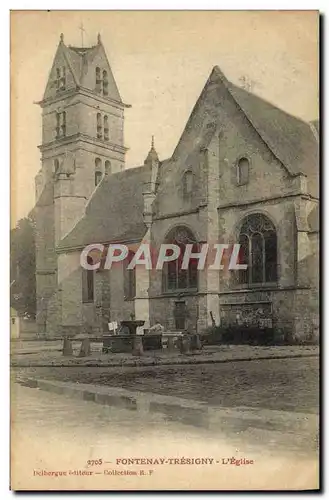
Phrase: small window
{"type": "Point", "coordinates": [129, 278]}
{"type": "Point", "coordinates": [63, 124]}
{"type": "Point", "coordinates": [63, 79]}
{"type": "Point", "coordinates": [99, 126]}
{"type": "Point", "coordinates": [98, 79]}
{"type": "Point", "coordinates": [58, 125]}
{"type": "Point", "coordinates": [58, 78]}
{"type": "Point", "coordinates": [98, 171]}
{"type": "Point", "coordinates": [98, 177]}
{"type": "Point", "coordinates": [106, 128]}
{"type": "Point", "coordinates": [242, 171]}
{"type": "Point", "coordinates": [88, 283]}
{"type": "Point", "coordinates": [107, 167]}
{"type": "Point", "coordinates": [56, 165]}
{"type": "Point", "coordinates": [188, 183]}
{"type": "Point", "coordinates": [105, 83]}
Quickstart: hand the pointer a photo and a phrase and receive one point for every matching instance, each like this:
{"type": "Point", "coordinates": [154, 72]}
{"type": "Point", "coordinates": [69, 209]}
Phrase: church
{"type": "Point", "coordinates": [243, 171]}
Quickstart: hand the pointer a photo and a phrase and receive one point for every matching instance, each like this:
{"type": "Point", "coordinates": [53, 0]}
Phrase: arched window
{"type": "Point", "coordinates": [258, 250]}
{"type": "Point", "coordinates": [242, 171]}
{"type": "Point", "coordinates": [88, 283]}
{"type": "Point", "coordinates": [107, 167]}
{"type": "Point", "coordinates": [98, 79]}
{"type": "Point", "coordinates": [64, 124]}
{"type": "Point", "coordinates": [105, 83]}
{"type": "Point", "coordinates": [98, 171]}
{"type": "Point", "coordinates": [63, 79]}
{"type": "Point", "coordinates": [106, 128]}
{"type": "Point", "coordinates": [56, 165]}
{"type": "Point", "coordinates": [129, 278]}
{"type": "Point", "coordinates": [99, 126]}
{"type": "Point", "coordinates": [58, 78]}
{"type": "Point", "coordinates": [174, 277]}
{"type": "Point", "coordinates": [187, 183]}
{"type": "Point", "coordinates": [98, 177]}
{"type": "Point", "coordinates": [58, 125]}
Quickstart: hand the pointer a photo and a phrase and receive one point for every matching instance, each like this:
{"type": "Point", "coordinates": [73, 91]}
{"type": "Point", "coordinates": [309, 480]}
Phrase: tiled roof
{"type": "Point", "coordinates": [114, 213]}
{"type": "Point", "coordinates": [289, 138]}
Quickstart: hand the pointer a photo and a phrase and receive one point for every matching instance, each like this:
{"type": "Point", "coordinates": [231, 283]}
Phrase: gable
{"type": "Point", "coordinates": [96, 58]}
{"type": "Point", "coordinates": [288, 138]}
{"type": "Point", "coordinates": [63, 64]}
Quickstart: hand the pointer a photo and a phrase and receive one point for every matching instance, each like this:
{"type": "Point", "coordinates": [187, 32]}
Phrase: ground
{"type": "Point", "coordinates": [287, 384]}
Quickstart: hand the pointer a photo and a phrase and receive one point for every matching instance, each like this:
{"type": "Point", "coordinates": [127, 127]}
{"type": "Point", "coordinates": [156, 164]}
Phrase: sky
{"type": "Point", "coordinates": [161, 61]}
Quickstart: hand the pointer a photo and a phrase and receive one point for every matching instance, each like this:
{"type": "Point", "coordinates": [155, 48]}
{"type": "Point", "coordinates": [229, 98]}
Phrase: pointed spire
{"type": "Point", "coordinates": [99, 40]}
{"type": "Point", "coordinates": [61, 38]}
{"type": "Point", "coordinates": [152, 155]}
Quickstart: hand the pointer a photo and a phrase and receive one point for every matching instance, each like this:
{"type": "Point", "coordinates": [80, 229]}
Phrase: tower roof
{"type": "Point", "coordinates": [81, 60]}
{"type": "Point", "coordinates": [152, 154]}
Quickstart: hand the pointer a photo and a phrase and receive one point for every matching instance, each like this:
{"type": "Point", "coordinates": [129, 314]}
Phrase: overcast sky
{"type": "Point", "coordinates": [161, 61]}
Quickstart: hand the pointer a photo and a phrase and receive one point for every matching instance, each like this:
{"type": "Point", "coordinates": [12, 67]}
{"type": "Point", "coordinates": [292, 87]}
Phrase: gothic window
{"type": "Point", "coordinates": [174, 277]}
{"type": "Point", "coordinates": [129, 278]}
{"type": "Point", "coordinates": [58, 125]}
{"type": "Point", "coordinates": [99, 126]}
{"type": "Point", "coordinates": [88, 284]}
{"type": "Point", "coordinates": [242, 171]}
{"type": "Point", "coordinates": [187, 183]}
{"type": "Point", "coordinates": [58, 78]}
{"type": "Point", "coordinates": [98, 171]}
{"type": "Point", "coordinates": [258, 250]}
{"type": "Point", "coordinates": [63, 123]}
{"type": "Point", "coordinates": [105, 83]}
{"type": "Point", "coordinates": [63, 79]}
{"type": "Point", "coordinates": [56, 165]}
{"type": "Point", "coordinates": [106, 128]}
{"type": "Point", "coordinates": [98, 79]}
{"type": "Point", "coordinates": [107, 167]}
{"type": "Point", "coordinates": [98, 177]}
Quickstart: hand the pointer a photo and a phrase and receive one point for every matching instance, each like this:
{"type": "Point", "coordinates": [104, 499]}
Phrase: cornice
{"type": "Point", "coordinates": [83, 138]}
{"type": "Point", "coordinates": [78, 90]}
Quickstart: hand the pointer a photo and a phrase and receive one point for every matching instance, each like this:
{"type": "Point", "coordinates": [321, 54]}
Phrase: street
{"type": "Point", "coordinates": [288, 384]}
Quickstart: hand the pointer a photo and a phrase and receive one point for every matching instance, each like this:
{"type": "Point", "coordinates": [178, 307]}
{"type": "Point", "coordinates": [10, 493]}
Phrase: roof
{"type": "Point", "coordinates": [115, 211]}
{"type": "Point", "coordinates": [79, 61]}
{"type": "Point", "coordinates": [290, 139]}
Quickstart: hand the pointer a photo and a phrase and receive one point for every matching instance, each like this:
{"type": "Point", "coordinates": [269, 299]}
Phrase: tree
{"type": "Point", "coordinates": [22, 267]}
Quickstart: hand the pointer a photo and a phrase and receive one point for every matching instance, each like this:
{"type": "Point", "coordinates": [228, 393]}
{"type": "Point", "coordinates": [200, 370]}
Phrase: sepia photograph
{"type": "Point", "coordinates": [164, 250]}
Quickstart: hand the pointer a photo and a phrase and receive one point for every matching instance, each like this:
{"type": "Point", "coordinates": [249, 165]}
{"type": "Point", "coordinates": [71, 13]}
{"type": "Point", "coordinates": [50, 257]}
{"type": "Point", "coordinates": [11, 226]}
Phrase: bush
{"type": "Point", "coordinates": [236, 334]}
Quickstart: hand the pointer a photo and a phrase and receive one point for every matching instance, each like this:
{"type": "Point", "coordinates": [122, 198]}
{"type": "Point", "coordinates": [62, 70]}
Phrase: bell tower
{"type": "Point", "coordinates": [82, 139]}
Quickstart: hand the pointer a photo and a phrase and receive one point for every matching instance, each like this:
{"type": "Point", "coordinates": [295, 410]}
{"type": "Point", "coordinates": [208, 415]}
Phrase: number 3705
{"type": "Point", "coordinates": [99, 461]}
